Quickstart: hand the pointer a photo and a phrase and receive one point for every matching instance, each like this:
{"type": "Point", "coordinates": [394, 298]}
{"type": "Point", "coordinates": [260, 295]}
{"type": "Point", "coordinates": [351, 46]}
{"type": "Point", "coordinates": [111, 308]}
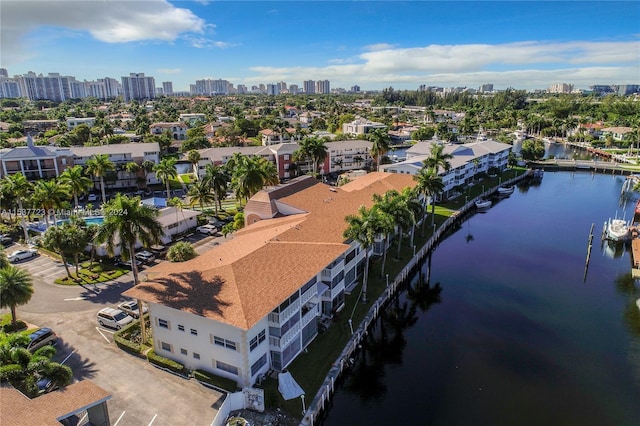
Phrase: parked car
{"type": "Point", "coordinates": [130, 308]}
{"type": "Point", "coordinates": [114, 318]}
{"type": "Point", "coordinates": [127, 263]}
{"type": "Point", "coordinates": [5, 240]}
{"type": "Point", "coordinates": [19, 255]}
{"type": "Point", "coordinates": [145, 256]}
{"type": "Point", "coordinates": [207, 229]}
{"type": "Point", "coordinates": [92, 198]}
{"type": "Point", "coordinates": [42, 337]}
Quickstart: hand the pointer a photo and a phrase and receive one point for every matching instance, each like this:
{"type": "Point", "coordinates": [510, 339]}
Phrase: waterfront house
{"type": "Point", "coordinates": [254, 302]}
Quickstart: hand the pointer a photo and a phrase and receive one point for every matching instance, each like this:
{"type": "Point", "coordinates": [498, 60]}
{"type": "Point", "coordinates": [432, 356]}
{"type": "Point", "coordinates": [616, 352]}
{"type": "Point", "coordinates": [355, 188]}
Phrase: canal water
{"type": "Point", "coordinates": [505, 326]}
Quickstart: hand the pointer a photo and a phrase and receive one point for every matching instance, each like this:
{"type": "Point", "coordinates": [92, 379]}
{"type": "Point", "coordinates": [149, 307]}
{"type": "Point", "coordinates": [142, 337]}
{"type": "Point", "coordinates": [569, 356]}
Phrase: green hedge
{"type": "Point", "coordinates": [122, 338]}
{"type": "Point", "coordinates": [217, 381]}
{"type": "Point", "coordinates": [163, 362]}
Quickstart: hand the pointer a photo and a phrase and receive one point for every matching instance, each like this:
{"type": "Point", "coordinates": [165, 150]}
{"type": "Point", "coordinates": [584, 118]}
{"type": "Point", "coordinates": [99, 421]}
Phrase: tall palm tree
{"type": "Point", "coordinates": [363, 229]}
{"type": "Point", "coordinates": [429, 184]}
{"type": "Point", "coordinates": [200, 193]}
{"type": "Point", "coordinates": [16, 288]}
{"type": "Point", "coordinates": [379, 145]}
{"type": "Point", "coordinates": [250, 177]}
{"type": "Point", "coordinates": [313, 149]}
{"type": "Point", "coordinates": [98, 166]}
{"type": "Point", "coordinates": [415, 206]}
{"type": "Point", "coordinates": [269, 172]}
{"type": "Point", "coordinates": [194, 157]}
{"type": "Point", "coordinates": [405, 215]}
{"type": "Point", "coordinates": [50, 195]}
{"type": "Point", "coordinates": [77, 182]}
{"type": "Point", "coordinates": [438, 158]}
{"type": "Point", "coordinates": [165, 171]}
{"type": "Point", "coordinates": [126, 222]}
{"type": "Point", "coordinates": [217, 178]}
{"type": "Point", "coordinates": [147, 167]}
{"type": "Point", "coordinates": [18, 186]}
{"type": "Point", "coordinates": [389, 205]}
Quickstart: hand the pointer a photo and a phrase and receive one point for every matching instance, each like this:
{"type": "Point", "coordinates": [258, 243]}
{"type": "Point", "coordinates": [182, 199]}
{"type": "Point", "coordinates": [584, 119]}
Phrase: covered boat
{"type": "Point", "coordinates": [617, 230]}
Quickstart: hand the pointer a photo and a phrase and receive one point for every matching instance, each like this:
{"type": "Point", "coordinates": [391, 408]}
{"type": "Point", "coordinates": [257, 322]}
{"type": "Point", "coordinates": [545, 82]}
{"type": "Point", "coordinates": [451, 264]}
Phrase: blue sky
{"type": "Point", "coordinates": [374, 44]}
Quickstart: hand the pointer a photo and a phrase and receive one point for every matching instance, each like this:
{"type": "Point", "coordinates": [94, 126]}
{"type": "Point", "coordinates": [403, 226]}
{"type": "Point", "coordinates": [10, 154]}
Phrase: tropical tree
{"type": "Point", "coordinates": [16, 288]}
{"type": "Point", "coordinates": [217, 179]}
{"type": "Point", "coordinates": [390, 205]}
{"type": "Point", "coordinates": [379, 145]}
{"type": "Point", "coordinates": [429, 184]}
{"type": "Point", "coordinates": [126, 222]}
{"type": "Point", "coordinates": [406, 215]}
{"type": "Point", "coordinates": [23, 369]}
{"type": "Point", "coordinates": [363, 228]}
{"type": "Point", "coordinates": [200, 193]}
{"type": "Point", "coordinates": [194, 157]}
{"type": "Point", "coordinates": [250, 175]}
{"type": "Point", "coordinates": [50, 195]}
{"type": "Point", "coordinates": [438, 158]}
{"type": "Point", "coordinates": [18, 186]}
{"type": "Point", "coordinates": [98, 166]}
{"type": "Point", "coordinates": [4, 262]}
{"type": "Point", "coordinates": [77, 182]}
{"type": "Point", "coordinates": [312, 149]}
{"type": "Point", "coordinates": [181, 252]}
{"type": "Point", "coordinates": [165, 171]}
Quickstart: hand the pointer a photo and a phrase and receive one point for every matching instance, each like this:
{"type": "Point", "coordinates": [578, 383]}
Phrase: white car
{"type": "Point", "coordinates": [114, 318]}
{"type": "Point", "coordinates": [130, 308]}
{"type": "Point", "coordinates": [92, 197]}
{"type": "Point", "coordinates": [207, 229]}
{"type": "Point", "coordinates": [19, 255]}
{"type": "Point", "coordinates": [145, 256]}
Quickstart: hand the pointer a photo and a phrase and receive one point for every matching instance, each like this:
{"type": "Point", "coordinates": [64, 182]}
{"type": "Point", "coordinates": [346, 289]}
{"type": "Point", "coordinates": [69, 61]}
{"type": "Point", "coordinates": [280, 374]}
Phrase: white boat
{"type": "Point", "coordinates": [483, 204]}
{"type": "Point", "coordinates": [617, 230]}
{"type": "Point", "coordinates": [506, 190]}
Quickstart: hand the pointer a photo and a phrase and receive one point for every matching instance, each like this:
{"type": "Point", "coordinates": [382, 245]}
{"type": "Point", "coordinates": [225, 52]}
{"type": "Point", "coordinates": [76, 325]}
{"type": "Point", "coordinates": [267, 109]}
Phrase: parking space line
{"type": "Point", "coordinates": [105, 337]}
{"type": "Point", "coordinates": [153, 420]}
{"type": "Point", "coordinates": [68, 356]}
{"type": "Point", "coordinates": [119, 418]}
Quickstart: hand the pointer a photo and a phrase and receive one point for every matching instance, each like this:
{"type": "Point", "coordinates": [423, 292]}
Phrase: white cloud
{"type": "Point", "coordinates": [524, 64]}
{"type": "Point", "coordinates": [107, 21]}
{"type": "Point", "coordinates": [378, 46]}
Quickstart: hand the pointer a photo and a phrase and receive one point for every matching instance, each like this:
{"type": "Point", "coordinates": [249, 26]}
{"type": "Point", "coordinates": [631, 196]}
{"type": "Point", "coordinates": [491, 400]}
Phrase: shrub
{"type": "Point", "coordinates": [169, 364]}
{"type": "Point", "coordinates": [127, 345]}
{"type": "Point", "coordinates": [217, 381]}
{"type": "Point", "coordinates": [181, 252]}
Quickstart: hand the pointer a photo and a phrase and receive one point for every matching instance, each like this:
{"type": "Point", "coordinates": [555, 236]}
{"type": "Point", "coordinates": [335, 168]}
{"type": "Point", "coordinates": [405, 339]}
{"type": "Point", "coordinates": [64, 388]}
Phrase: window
{"type": "Point", "coordinates": [253, 343]}
{"type": "Point", "coordinates": [180, 327]}
{"type": "Point", "coordinates": [165, 346]}
{"type": "Point", "coordinates": [163, 323]}
{"type": "Point", "coordinates": [224, 343]}
{"type": "Point", "coordinates": [194, 331]}
{"type": "Point", "coordinates": [196, 356]}
{"type": "Point", "coordinates": [226, 367]}
{"type": "Point", "coordinates": [183, 351]}
{"type": "Point", "coordinates": [258, 364]}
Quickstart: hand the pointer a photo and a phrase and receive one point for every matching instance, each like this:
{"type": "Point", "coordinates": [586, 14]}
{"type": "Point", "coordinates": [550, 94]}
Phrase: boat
{"type": "Point", "coordinates": [537, 174]}
{"type": "Point", "coordinates": [617, 230]}
{"type": "Point", "coordinates": [483, 204]}
{"type": "Point", "coordinates": [506, 190]}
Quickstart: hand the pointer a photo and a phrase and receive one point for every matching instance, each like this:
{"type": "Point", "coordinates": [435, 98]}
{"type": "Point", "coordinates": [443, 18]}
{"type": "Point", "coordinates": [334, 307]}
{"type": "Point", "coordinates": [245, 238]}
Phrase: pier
{"type": "Point", "coordinates": [583, 165]}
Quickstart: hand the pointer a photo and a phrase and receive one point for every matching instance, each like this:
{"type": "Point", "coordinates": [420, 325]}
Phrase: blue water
{"type": "Point", "coordinates": [94, 220]}
{"type": "Point", "coordinates": [509, 330]}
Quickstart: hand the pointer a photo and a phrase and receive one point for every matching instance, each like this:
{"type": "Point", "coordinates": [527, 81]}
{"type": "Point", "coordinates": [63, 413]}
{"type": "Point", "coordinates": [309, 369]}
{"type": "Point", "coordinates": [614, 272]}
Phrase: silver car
{"type": "Point", "coordinates": [19, 255]}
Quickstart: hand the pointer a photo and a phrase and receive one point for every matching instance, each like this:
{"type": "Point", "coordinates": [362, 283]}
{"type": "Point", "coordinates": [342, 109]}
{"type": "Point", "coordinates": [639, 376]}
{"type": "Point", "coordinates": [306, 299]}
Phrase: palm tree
{"type": "Point", "coordinates": [363, 228]}
{"type": "Point", "coordinates": [194, 157]}
{"type": "Point", "coordinates": [379, 145]}
{"type": "Point", "coordinates": [57, 239]}
{"type": "Point", "coordinates": [18, 186]}
{"type": "Point", "coordinates": [438, 158]}
{"type": "Point", "coordinates": [79, 184]}
{"type": "Point", "coordinates": [389, 205]}
{"type": "Point", "coordinates": [126, 222]}
{"type": "Point", "coordinates": [147, 167]}
{"type": "Point", "coordinates": [406, 214]}
{"type": "Point", "coordinates": [50, 195]}
{"type": "Point", "coordinates": [313, 149]}
{"type": "Point", "coordinates": [249, 178]}
{"type": "Point", "coordinates": [23, 369]}
{"type": "Point", "coordinates": [16, 288]}
{"type": "Point", "coordinates": [200, 193]}
{"type": "Point", "coordinates": [98, 166]}
{"type": "Point", "coordinates": [429, 184]}
{"type": "Point", "coordinates": [269, 172]}
{"type": "Point", "coordinates": [165, 171]}
{"type": "Point", "coordinates": [217, 178]}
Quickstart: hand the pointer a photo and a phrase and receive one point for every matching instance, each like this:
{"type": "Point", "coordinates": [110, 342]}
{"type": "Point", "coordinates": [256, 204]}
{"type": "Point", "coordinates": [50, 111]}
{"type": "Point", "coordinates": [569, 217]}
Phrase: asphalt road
{"type": "Point", "coordinates": [141, 393]}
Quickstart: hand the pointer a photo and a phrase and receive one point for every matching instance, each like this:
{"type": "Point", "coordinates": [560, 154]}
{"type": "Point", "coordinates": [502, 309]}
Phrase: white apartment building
{"type": "Point", "coordinates": [347, 155]}
{"type": "Point", "coordinates": [73, 122]}
{"type": "Point", "coordinates": [361, 126]}
{"type": "Point", "coordinates": [178, 130]}
{"type": "Point", "coordinates": [468, 160]}
{"type": "Point", "coordinates": [139, 87]}
{"type": "Point", "coordinates": [254, 302]}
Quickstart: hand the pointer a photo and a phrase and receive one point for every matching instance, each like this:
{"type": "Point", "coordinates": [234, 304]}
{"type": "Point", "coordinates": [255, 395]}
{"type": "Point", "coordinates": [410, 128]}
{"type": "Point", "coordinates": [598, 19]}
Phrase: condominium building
{"type": "Point", "coordinates": [361, 126]}
{"type": "Point", "coordinates": [309, 86]}
{"type": "Point", "coordinates": [138, 87]}
{"type": "Point", "coordinates": [211, 87]}
{"type": "Point", "coordinates": [273, 89]}
{"type": "Point", "coordinates": [560, 88]}
{"type": "Point", "coordinates": [73, 122]}
{"type": "Point", "coordinates": [254, 302]}
{"type": "Point", "coordinates": [178, 130]}
{"type": "Point", "coordinates": [323, 86]}
{"type": "Point", "coordinates": [167, 88]}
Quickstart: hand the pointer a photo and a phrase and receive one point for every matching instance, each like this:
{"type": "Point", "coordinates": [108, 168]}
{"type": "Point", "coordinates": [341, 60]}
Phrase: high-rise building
{"type": "Point", "coordinates": [273, 89]}
{"type": "Point", "coordinates": [486, 88]}
{"type": "Point", "coordinates": [560, 88]}
{"type": "Point", "coordinates": [323, 86]}
{"type": "Point", "coordinates": [355, 88]}
{"type": "Point", "coordinates": [242, 89]}
{"type": "Point", "coordinates": [294, 89]}
{"type": "Point", "coordinates": [167, 87]}
{"type": "Point", "coordinates": [9, 88]}
{"type": "Point", "coordinates": [628, 89]}
{"type": "Point", "coordinates": [309, 86]}
{"type": "Point", "coordinates": [4, 72]}
{"type": "Point", "coordinates": [139, 87]}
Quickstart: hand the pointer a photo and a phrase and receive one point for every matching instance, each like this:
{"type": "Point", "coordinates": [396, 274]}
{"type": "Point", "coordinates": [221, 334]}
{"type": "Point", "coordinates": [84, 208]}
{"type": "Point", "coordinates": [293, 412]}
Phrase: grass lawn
{"type": "Point", "coordinates": [5, 324]}
{"type": "Point", "coordinates": [187, 178]}
{"type": "Point", "coordinates": [310, 369]}
{"type": "Point", "coordinates": [173, 184]}
{"type": "Point", "coordinates": [98, 273]}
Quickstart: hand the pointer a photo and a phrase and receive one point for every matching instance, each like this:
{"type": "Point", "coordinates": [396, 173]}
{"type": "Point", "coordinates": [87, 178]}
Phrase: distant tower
{"type": "Point", "coordinates": [4, 72]}
{"type": "Point", "coordinates": [167, 87]}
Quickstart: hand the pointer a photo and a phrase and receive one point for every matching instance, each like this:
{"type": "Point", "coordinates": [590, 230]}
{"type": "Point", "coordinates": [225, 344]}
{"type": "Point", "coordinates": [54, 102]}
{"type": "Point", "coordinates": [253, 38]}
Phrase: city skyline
{"type": "Point", "coordinates": [526, 45]}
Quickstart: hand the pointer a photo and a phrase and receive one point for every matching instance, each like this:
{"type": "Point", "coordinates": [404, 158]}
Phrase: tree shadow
{"type": "Point", "coordinates": [112, 293]}
{"type": "Point", "coordinates": [83, 368]}
{"type": "Point", "coordinates": [188, 291]}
